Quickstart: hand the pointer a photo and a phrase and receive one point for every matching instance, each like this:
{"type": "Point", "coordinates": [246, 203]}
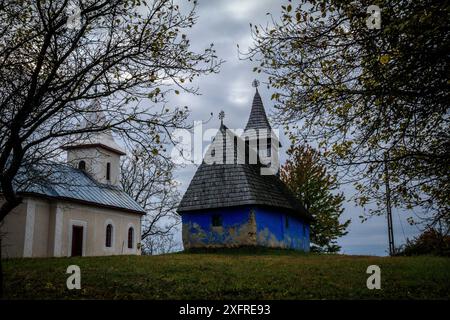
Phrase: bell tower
{"type": "Point", "coordinates": [97, 153]}
{"type": "Point", "coordinates": [258, 131]}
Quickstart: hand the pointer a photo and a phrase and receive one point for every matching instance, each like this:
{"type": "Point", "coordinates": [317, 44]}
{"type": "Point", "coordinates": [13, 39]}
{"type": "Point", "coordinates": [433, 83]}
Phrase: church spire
{"type": "Point", "coordinates": [258, 117]}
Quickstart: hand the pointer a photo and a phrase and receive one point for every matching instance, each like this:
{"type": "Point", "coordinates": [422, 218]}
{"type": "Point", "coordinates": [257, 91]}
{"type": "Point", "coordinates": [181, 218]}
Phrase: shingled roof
{"type": "Point", "coordinates": [220, 185]}
{"type": "Point", "coordinates": [69, 184]}
{"type": "Point", "coordinates": [258, 118]}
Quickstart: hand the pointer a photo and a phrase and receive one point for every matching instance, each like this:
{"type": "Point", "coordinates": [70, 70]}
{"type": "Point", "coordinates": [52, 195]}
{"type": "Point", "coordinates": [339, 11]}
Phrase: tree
{"type": "Point", "coordinates": [57, 57]}
{"type": "Point", "coordinates": [148, 179]}
{"type": "Point", "coordinates": [127, 54]}
{"type": "Point", "coordinates": [161, 244]}
{"type": "Point", "coordinates": [306, 176]}
{"type": "Point", "coordinates": [430, 242]}
{"type": "Point", "coordinates": [370, 98]}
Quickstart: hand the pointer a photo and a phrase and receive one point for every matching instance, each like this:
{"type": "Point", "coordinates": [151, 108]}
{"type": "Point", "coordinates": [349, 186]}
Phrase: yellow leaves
{"type": "Point", "coordinates": [342, 111]}
{"type": "Point", "coordinates": [342, 149]}
{"type": "Point", "coordinates": [49, 285]}
{"type": "Point", "coordinates": [385, 58]}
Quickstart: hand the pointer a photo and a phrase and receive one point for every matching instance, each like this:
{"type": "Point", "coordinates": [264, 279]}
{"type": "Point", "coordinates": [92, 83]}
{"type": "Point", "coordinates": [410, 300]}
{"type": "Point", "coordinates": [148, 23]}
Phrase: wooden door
{"type": "Point", "coordinates": [77, 241]}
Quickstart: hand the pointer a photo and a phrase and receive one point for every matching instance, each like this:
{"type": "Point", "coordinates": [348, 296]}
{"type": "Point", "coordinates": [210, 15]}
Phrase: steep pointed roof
{"type": "Point", "coordinates": [258, 118]}
{"type": "Point", "coordinates": [220, 185]}
{"type": "Point", "coordinates": [96, 118]}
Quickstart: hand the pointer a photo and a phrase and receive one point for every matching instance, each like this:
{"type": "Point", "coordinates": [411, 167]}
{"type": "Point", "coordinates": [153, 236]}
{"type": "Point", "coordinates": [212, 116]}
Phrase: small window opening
{"type": "Point", "coordinates": [216, 220]}
{"type": "Point", "coordinates": [247, 151]}
{"type": "Point", "coordinates": [108, 171]}
{"type": "Point", "coordinates": [82, 165]}
{"type": "Point", "coordinates": [130, 238]}
{"type": "Point", "coordinates": [109, 230]}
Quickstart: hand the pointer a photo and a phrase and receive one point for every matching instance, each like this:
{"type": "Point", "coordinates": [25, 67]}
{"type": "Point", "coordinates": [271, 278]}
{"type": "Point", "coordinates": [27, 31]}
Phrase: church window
{"type": "Point", "coordinates": [130, 238]}
{"type": "Point", "coordinates": [82, 165]}
{"type": "Point", "coordinates": [257, 145]}
{"type": "Point", "coordinates": [108, 171]}
{"type": "Point", "coordinates": [109, 231]}
{"type": "Point", "coordinates": [216, 220]}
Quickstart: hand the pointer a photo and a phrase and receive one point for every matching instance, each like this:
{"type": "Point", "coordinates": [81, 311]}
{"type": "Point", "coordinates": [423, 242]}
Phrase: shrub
{"type": "Point", "coordinates": [430, 242]}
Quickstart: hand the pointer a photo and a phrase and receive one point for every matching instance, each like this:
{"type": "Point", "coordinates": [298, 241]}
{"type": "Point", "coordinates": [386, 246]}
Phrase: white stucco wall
{"type": "Point", "coordinates": [96, 160]}
{"type": "Point", "coordinates": [94, 222]}
{"type": "Point", "coordinates": [43, 228]}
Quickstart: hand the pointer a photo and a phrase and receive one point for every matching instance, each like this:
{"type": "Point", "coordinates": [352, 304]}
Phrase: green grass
{"type": "Point", "coordinates": [265, 274]}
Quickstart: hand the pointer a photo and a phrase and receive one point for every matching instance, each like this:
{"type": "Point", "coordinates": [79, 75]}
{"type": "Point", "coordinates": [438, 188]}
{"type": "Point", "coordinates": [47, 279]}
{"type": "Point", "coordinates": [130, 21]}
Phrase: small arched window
{"type": "Point", "coordinates": [108, 171]}
{"type": "Point", "coordinates": [82, 165]}
{"type": "Point", "coordinates": [109, 231]}
{"type": "Point", "coordinates": [130, 238]}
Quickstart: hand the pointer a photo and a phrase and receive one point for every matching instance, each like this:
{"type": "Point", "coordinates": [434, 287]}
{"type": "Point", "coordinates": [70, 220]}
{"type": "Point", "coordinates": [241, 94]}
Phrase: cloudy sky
{"type": "Point", "coordinates": [226, 24]}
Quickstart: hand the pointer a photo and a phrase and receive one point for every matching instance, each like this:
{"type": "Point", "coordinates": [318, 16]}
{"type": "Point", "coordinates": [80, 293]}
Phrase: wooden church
{"type": "Point", "coordinates": [231, 203]}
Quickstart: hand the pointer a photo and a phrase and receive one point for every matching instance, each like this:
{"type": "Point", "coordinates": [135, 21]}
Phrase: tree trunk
{"type": "Point", "coordinates": [8, 206]}
{"type": "Point", "coordinates": [1, 270]}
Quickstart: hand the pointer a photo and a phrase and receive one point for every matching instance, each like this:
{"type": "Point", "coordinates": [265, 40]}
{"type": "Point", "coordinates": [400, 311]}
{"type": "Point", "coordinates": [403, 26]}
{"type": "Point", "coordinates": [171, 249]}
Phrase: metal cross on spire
{"type": "Point", "coordinates": [255, 84]}
{"type": "Point", "coordinates": [221, 116]}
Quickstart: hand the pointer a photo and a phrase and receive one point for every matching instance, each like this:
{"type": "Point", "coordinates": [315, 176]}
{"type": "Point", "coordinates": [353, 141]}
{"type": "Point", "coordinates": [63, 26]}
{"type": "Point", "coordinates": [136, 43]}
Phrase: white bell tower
{"type": "Point", "coordinates": [97, 153]}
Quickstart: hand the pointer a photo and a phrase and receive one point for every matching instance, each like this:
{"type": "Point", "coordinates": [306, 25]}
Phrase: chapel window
{"type": "Point", "coordinates": [130, 238]}
{"type": "Point", "coordinates": [109, 231]}
{"type": "Point", "coordinates": [82, 165]}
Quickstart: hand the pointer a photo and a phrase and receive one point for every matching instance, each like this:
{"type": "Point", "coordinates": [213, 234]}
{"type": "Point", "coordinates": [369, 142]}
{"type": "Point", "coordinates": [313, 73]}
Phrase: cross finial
{"type": "Point", "coordinates": [255, 84]}
{"type": "Point", "coordinates": [221, 116]}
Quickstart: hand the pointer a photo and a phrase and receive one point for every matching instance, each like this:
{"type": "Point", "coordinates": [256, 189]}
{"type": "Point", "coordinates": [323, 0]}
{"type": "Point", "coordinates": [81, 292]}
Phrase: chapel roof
{"type": "Point", "coordinates": [219, 185]}
{"type": "Point", "coordinates": [63, 182]}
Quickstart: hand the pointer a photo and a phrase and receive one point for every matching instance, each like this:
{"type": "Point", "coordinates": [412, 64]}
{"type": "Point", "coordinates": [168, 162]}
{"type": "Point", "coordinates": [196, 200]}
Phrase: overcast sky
{"type": "Point", "coordinates": [226, 24]}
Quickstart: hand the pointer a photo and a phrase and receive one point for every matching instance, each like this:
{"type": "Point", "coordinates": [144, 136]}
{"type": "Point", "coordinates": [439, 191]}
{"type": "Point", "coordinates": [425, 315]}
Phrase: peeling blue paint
{"type": "Point", "coordinates": [278, 229]}
{"type": "Point", "coordinates": [245, 225]}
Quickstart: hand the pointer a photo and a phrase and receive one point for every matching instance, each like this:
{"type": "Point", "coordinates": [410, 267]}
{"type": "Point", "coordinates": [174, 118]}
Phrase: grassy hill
{"type": "Point", "coordinates": [228, 275]}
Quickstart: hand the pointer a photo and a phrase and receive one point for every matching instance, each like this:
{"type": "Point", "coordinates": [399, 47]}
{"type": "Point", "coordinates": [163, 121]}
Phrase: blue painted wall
{"type": "Point", "coordinates": [245, 225]}
{"type": "Point", "coordinates": [199, 231]}
{"type": "Point", "coordinates": [278, 229]}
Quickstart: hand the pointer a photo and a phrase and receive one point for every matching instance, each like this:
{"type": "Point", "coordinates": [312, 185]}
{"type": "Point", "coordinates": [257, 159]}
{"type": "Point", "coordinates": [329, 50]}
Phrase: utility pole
{"type": "Point", "coordinates": [388, 207]}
